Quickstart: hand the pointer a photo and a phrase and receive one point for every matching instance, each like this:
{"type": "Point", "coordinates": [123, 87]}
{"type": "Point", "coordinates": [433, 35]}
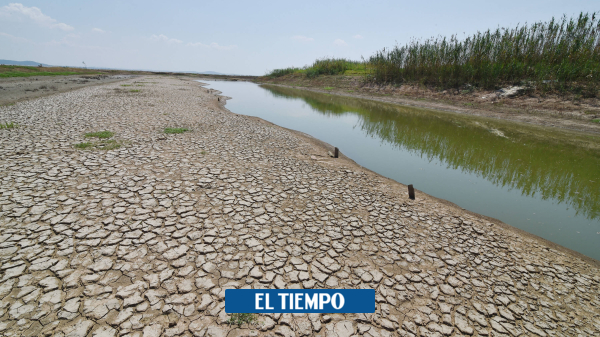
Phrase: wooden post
{"type": "Point", "coordinates": [336, 153]}
{"type": "Point", "coordinates": [411, 192]}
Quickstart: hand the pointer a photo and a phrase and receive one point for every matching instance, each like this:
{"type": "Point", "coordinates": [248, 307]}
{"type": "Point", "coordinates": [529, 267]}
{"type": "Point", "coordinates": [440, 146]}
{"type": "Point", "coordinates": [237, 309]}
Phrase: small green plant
{"type": "Point", "coordinates": [240, 319]}
{"type": "Point", "coordinates": [8, 104]}
{"type": "Point", "coordinates": [134, 90]}
{"type": "Point", "coordinates": [105, 145]}
{"type": "Point", "coordinates": [328, 88]}
{"type": "Point", "coordinates": [175, 130]}
{"type": "Point", "coordinates": [203, 152]}
{"type": "Point", "coordinates": [8, 125]}
{"type": "Point", "coordinates": [100, 134]}
{"type": "Point", "coordinates": [597, 120]}
{"type": "Point", "coordinates": [108, 145]}
{"type": "Point", "coordinates": [83, 146]}
{"type": "Point", "coordinates": [125, 85]}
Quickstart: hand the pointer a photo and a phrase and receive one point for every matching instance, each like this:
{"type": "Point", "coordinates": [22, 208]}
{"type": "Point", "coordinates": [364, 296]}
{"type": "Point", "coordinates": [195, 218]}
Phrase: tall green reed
{"type": "Point", "coordinates": [558, 54]}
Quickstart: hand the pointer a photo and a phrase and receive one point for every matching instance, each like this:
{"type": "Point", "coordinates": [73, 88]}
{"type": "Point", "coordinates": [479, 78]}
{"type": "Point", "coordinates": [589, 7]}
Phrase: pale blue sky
{"type": "Point", "coordinates": [243, 37]}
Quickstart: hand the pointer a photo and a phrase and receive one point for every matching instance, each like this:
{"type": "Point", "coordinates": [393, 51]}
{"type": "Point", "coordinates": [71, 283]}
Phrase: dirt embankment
{"type": "Point", "coordinates": [15, 89]}
{"type": "Point", "coordinates": [569, 112]}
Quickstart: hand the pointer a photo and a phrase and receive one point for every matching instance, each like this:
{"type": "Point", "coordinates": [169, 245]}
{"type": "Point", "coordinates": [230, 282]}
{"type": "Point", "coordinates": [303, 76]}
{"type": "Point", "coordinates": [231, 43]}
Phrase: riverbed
{"type": "Point", "coordinates": [144, 238]}
{"type": "Point", "coordinates": [541, 180]}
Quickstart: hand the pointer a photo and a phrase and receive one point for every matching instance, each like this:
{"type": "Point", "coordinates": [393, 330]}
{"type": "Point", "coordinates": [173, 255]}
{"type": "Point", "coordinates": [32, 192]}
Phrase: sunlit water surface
{"type": "Point", "coordinates": [541, 180]}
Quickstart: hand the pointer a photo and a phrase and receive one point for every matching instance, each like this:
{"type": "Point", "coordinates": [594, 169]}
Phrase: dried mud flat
{"type": "Point", "coordinates": [143, 240]}
{"type": "Point", "coordinates": [14, 89]}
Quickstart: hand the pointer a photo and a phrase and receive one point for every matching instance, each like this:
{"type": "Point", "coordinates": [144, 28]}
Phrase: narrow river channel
{"type": "Point", "coordinates": [542, 180]}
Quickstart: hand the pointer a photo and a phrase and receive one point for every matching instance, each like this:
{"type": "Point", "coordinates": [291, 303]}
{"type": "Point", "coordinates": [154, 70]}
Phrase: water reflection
{"type": "Point", "coordinates": [538, 162]}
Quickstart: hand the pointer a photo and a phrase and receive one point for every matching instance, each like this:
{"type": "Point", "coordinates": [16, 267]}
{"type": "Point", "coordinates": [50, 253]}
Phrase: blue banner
{"type": "Point", "coordinates": [324, 301]}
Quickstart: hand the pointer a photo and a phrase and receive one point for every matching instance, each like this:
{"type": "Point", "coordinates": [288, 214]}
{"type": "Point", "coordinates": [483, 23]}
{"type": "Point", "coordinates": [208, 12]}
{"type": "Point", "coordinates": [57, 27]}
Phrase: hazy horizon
{"type": "Point", "coordinates": [241, 37]}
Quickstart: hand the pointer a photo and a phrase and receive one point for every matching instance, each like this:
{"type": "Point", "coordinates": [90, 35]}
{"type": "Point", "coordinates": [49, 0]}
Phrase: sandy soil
{"type": "Point", "coordinates": [15, 89]}
{"type": "Point", "coordinates": [144, 239]}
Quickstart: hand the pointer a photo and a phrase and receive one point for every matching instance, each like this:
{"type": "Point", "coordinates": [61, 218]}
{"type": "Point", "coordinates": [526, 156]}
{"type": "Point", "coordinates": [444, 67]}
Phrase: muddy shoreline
{"type": "Point", "coordinates": [516, 110]}
{"type": "Point", "coordinates": [422, 196]}
{"type": "Point", "coordinates": [534, 119]}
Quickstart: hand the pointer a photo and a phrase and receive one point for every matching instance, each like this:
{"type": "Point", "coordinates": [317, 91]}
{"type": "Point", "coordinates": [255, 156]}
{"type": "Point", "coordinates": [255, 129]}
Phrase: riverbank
{"type": "Point", "coordinates": [146, 237]}
{"type": "Point", "coordinates": [511, 171]}
{"type": "Point", "coordinates": [549, 110]}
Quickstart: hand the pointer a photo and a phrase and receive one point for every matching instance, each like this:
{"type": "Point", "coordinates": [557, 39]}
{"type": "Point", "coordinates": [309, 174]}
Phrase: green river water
{"type": "Point", "coordinates": [543, 180]}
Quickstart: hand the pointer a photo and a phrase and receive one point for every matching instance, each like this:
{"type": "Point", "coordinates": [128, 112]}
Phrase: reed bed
{"type": "Point", "coordinates": [325, 66]}
{"type": "Point", "coordinates": [283, 72]}
{"type": "Point", "coordinates": [560, 54]}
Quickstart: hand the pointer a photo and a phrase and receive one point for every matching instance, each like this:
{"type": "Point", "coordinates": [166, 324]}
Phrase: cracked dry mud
{"type": "Point", "coordinates": [144, 240]}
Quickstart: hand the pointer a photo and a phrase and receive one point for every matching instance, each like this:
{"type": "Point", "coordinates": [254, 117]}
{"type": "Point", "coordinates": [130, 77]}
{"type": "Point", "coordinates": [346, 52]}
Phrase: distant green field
{"type": "Point", "coordinates": [23, 71]}
{"type": "Point", "coordinates": [20, 74]}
